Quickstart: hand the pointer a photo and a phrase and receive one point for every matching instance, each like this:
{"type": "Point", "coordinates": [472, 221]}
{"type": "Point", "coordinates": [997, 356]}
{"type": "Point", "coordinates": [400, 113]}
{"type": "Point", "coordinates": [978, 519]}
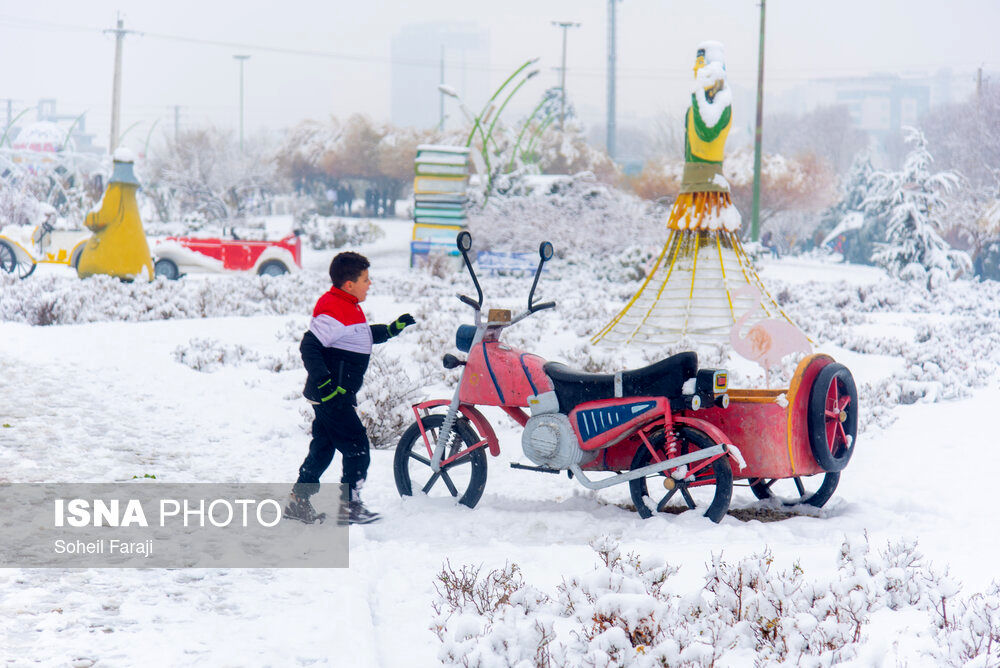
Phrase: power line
{"type": "Point", "coordinates": [650, 73]}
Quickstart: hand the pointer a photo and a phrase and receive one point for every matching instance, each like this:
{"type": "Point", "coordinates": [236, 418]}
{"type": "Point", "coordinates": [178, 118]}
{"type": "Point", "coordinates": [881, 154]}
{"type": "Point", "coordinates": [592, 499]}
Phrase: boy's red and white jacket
{"type": "Point", "coordinates": [338, 344]}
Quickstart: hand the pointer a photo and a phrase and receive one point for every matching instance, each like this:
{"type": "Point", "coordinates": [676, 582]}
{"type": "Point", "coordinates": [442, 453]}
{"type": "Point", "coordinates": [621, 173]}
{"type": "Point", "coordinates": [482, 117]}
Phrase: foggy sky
{"type": "Point", "coordinates": [55, 49]}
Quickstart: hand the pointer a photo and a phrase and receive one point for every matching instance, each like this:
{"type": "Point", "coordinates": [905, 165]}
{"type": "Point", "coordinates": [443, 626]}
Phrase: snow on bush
{"type": "Point", "coordinates": [56, 300]}
{"type": "Point", "coordinates": [211, 355]}
{"type": "Point", "coordinates": [323, 232]}
{"type": "Point", "coordinates": [627, 612]}
{"type": "Point", "coordinates": [948, 356]}
{"type": "Point", "coordinates": [587, 219]}
{"type": "Point", "coordinates": [385, 399]}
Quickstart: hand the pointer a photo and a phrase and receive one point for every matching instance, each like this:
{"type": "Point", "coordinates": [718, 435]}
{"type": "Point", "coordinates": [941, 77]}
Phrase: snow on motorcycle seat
{"type": "Point", "coordinates": [661, 379]}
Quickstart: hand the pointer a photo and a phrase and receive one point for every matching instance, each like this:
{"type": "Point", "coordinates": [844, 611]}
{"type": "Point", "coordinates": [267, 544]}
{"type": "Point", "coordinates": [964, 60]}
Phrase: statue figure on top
{"type": "Point", "coordinates": [704, 201]}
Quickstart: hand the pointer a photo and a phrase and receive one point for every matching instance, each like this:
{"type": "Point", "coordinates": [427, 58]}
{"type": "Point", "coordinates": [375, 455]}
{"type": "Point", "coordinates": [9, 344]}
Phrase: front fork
{"type": "Point", "coordinates": [444, 435]}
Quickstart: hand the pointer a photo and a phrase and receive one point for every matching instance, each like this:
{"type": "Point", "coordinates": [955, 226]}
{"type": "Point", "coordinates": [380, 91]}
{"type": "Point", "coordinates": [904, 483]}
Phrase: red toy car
{"type": "Point", "coordinates": [676, 434]}
{"type": "Point", "coordinates": [176, 256]}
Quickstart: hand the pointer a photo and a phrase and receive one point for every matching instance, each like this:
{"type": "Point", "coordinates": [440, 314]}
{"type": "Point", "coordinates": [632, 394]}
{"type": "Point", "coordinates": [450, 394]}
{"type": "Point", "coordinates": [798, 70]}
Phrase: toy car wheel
{"type": "Point", "coordinates": [167, 269]}
{"type": "Point", "coordinates": [833, 417]}
{"type": "Point", "coordinates": [710, 488]}
{"type": "Point", "coordinates": [464, 479]}
{"type": "Point", "coordinates": [75, 260]}
{"type": "Point", "coordinates": [11, 264]}
{"type": "Point", "coordinates": [272, 268]}
{"type": "Point", "coordinates": [773, 488]}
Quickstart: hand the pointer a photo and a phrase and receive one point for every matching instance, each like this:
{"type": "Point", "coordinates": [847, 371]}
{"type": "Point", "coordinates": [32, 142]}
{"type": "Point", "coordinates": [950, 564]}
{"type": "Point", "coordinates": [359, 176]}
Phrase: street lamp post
{"type": "Point", "coordinates": [758, 135]}
{"type": "Point", "coordinates": [562, 72]}
{"type": "Point", "coordinates": [483, 161]}
{"type": "Point", "coordinates": [242, 59]}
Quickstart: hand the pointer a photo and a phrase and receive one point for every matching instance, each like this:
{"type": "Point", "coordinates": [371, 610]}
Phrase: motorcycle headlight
{"type": "Point", "coordinates": [464, 337]}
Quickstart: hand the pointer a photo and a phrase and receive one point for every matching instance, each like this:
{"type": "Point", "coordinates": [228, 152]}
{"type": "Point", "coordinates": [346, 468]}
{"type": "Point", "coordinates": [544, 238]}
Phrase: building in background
{"type": "Point", "coordinates": [880, 104]}
{"type": "Point", "coordinates": [417, 52]}
{"type": "Point", "coordinates": [51, 131]}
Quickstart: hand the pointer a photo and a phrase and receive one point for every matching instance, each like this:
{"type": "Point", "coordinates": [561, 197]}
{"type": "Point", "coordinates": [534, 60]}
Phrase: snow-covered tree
{"type": "Point", "coordinates": [849, 226]}
{"type": "Point", "coordinates": [913, 198]}
{"type": "Point", "coordinates": [203, 173]}
{"type": "Point", "coordinates": [57, 187]}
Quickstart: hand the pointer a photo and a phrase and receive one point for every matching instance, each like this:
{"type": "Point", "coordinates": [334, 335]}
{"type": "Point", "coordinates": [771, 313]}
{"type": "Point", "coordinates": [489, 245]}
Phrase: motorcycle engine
{"type": "Point", "coordinates": [548, 440]}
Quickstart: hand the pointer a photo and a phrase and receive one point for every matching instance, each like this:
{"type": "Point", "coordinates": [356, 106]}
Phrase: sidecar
{"type": "Point", "coordinates": [790, 443]}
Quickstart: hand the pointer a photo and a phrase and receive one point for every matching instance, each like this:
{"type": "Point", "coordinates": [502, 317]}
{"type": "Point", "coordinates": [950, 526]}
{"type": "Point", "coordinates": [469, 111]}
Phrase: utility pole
{"type": "Point", "coordinates": [610, 140]}
{"type": "Point", "coordinates": [242, 59]}
{"type": "Point", "coordinates": [979, 90]}
{"type": "Point", "coordinates": [758, 134]}
{"type": "Point", "coordinates": [441, 95]}
{"type": "Point", "coordinates": [116, 86]}
{"type": "Point", "coordinates": [562, 72]}
{"type": "Point", "coordinates": [177, 121]}
{"type": "Point", "coordinates": [10, 111]}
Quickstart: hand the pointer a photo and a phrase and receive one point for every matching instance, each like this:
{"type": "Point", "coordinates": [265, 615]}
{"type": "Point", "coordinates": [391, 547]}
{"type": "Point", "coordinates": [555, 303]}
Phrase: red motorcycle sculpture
{"type": "Point", "coordinates": [658, 428]}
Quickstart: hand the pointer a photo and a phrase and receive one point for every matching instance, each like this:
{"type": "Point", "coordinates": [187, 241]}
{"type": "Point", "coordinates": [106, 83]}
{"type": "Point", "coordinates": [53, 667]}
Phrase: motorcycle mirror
{"type": "Point", "coordinates": [464, 242]}
{"type": "Point", "coordinates": [545, 251]}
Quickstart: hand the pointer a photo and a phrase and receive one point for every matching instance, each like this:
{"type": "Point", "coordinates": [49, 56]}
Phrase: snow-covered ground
{"type": "Point", "coordinates": [106, 401]}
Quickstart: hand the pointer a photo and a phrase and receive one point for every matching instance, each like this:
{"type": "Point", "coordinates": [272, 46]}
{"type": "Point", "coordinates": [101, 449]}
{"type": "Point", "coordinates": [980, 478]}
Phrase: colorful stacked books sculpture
{"type": "Point", "coordinates": [439, 198]}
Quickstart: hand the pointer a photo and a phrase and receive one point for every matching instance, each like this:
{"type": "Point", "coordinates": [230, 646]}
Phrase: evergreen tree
{"type": "Point", "coordinates": [913, 199]}
{"type": "Point", "coordinates": [857, 243]}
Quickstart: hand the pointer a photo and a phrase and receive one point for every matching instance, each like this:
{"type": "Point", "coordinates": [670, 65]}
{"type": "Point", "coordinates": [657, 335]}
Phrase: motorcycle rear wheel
{"type": "Point", "coordinates": [709, 490]}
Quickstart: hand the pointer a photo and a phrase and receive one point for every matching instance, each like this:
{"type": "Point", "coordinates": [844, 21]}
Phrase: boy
{"type": "Point", "coordinates": [335, 351]}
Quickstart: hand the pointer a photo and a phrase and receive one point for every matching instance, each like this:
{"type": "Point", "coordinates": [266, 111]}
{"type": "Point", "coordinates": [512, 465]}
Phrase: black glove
{"type": "Point", "coordinates": [328, 391]}
{"type": "Point", "coordinates": [402, 321]}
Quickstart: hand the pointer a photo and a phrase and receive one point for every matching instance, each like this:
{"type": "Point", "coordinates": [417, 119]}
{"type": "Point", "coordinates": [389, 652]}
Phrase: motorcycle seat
{"type": "Point", "coordinates": [665, 378]}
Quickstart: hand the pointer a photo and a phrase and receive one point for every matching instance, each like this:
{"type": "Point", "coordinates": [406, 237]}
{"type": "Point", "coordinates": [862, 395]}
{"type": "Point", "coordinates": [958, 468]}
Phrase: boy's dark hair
{"type": "Point", "coordinates": [347, 266]}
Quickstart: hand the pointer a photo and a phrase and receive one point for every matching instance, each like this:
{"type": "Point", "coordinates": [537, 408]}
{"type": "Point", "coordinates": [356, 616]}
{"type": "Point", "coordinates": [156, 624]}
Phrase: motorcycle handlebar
{"type": "Point", "coordinates": [539, 307]}
{"type": "Point", "coordinates": [470, 301]}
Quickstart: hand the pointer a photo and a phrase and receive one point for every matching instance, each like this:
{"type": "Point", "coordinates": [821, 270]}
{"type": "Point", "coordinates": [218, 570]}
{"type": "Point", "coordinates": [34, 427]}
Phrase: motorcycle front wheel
{"type": "Point", "coordinates": [463, 479]}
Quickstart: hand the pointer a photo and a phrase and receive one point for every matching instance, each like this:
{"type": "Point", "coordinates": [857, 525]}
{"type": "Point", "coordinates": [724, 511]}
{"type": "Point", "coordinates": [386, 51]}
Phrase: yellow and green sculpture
{"type": "Point", "coordinates": [697, 290]}
{"type": "Point", "coordinates": [118, 247]}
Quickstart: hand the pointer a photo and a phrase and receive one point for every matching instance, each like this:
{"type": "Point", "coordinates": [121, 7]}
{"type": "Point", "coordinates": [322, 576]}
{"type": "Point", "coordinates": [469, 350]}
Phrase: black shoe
{"type": "Point", "coordinates": [299, 508]}
{"type": "Point", "coordinates": [356, 513]}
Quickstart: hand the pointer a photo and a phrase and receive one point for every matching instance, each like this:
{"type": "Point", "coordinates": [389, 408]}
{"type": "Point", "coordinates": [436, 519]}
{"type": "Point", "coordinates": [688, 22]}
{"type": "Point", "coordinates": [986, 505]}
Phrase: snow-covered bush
{"type": "Point", "coordinates": [209, 355]}
{"type": "Point", "coordinates": [56, 300]}
{"type": "Point", "coordinates": [946, 357]}
{"type": "Point", "coordinates": [212, 354]}
{"type": "Point", "coordinates": [476, 618]}
{"type": "Point", "coordinates": [385, 399]}
{"type": "Point", "coordinates": [628, 612]}
{"type": "Point", "coordinates": [322, 233]}
{"type": "Point", "coordinates": [914, 249]}
{"type": "Point", "coordinates": [582, 217]}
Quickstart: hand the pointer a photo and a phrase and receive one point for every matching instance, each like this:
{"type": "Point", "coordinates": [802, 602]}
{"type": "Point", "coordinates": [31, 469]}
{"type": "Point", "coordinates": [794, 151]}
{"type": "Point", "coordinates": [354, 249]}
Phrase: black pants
{"type": "Point", "coordinates": [335, 427]}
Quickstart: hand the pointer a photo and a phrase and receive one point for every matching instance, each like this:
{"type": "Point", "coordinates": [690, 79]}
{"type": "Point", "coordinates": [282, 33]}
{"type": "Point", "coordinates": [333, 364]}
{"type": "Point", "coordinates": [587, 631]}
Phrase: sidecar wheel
{"type": "Point", "coordinates": [711, 487]}
{"type": "Point", "coordinates": [765, 488]}
{"type": "Point", "coordinates": [464, 479]}
{"type": "Point", "coordinates": [833, 417]}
